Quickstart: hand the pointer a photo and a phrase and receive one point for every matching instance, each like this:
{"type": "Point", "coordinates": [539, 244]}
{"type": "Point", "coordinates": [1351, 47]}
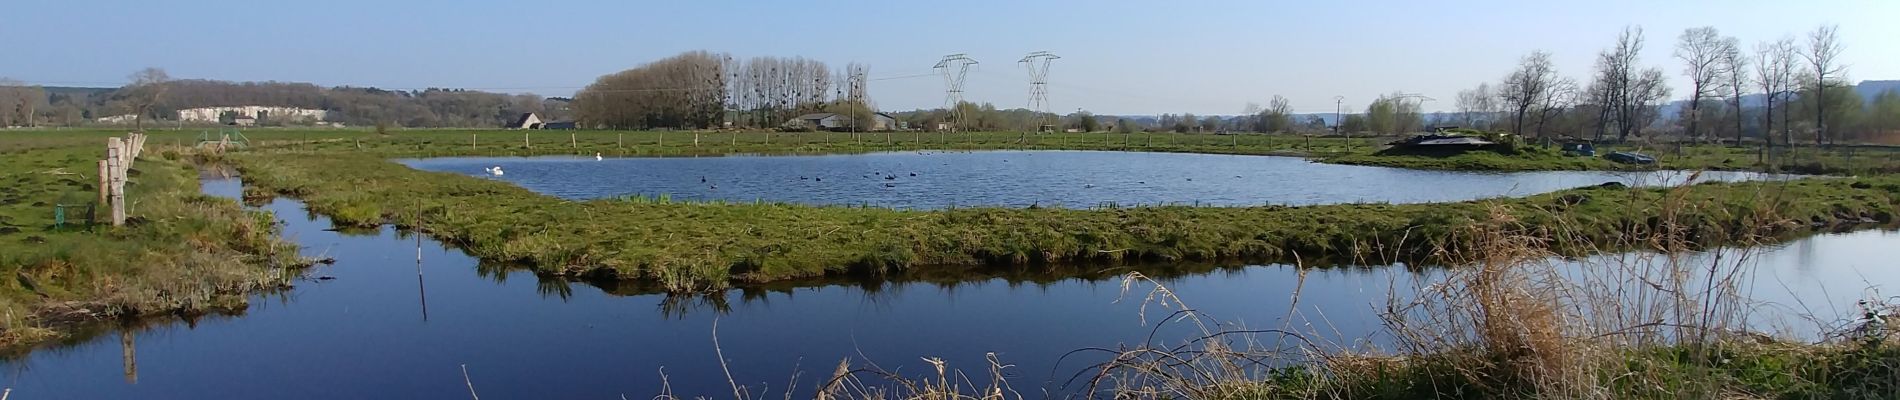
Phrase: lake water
{"type": "Point", "coordinates": [1075, 179]}
{"type": "Point", "coordinates": [365, 335]}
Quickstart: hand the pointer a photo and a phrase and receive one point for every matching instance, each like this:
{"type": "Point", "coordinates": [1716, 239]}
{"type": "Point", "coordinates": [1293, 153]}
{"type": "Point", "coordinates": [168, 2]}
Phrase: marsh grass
{"type": "Point", "coordinates": [182, 251]}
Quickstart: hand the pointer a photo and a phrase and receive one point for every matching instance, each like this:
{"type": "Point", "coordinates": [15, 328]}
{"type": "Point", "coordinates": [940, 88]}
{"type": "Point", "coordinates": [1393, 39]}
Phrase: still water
{"type": "Point", "coordinates": [1075, 179]}
{"type": "Point", "coordinates": [365, 334]}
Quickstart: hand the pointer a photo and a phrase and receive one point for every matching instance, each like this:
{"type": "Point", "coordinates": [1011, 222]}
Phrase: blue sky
{"type": "Point", "coordinates": [1118, 57]}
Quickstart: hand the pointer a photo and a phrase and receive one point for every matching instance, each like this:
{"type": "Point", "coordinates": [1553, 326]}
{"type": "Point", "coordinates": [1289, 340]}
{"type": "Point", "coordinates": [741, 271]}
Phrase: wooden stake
{"type": "Point", "coordinates": [115, 157]}
{"type": "Point", "coordinates": [524, 141]}
{"type": "Point", "coordinates": [105, 183]}
{"type": "Point", "coordinates": [571, 142]}
{"type": "Point", "coordinates": [620, 140]}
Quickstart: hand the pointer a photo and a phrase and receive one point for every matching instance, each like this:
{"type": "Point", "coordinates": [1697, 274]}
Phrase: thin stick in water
{"type": "Point", "coordinates": [465, 381]}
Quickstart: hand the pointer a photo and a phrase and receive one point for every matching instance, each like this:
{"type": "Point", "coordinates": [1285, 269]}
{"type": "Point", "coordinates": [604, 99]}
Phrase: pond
{"type": "Point", "coordinates": [1074, 179]}
{"type": "Point", "coordinates": [370, 333]}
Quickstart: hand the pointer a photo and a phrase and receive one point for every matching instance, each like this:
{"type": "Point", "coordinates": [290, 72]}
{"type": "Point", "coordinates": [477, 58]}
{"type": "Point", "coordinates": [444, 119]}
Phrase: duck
{"type": "Point", "coordinates": [495, 170]}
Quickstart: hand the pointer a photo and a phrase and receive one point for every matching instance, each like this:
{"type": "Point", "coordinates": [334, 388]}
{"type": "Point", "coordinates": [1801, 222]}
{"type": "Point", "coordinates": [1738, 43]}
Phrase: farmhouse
{"type": "Point", "coordinates": [525, 121]}
{"type": "Point", "coordinates": [839, 122]}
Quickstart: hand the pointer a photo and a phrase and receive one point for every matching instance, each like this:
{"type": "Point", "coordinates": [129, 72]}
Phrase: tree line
{"type": "Point", "coordinates": [153, 96]}
{"type": "Point", "coordinates": [1799, 84]}
{"type": "Point", "coordinates": [701, 89]}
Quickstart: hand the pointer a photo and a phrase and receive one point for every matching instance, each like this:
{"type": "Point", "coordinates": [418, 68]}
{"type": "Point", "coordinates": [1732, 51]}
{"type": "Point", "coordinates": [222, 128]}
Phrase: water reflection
{"type": "Point", "coordinates": [1072, 179]}
{"type": "Point", "coordinates": [129, 356]}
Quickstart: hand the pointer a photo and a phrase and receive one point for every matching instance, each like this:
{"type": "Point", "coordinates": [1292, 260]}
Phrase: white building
{"type": "Point", "coordinates": [279, 114]}
{"type": "Point", "coordinates": [120, 119]}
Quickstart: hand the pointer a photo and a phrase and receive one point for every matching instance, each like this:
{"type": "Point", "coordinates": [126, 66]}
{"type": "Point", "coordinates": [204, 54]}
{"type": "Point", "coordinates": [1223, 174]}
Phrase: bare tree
{"type": "Point", "coordinates": [1277, 117]}
{"type": "Point", "coordinates": [1700, 50]}
{"type": "Point", "coordinates": [1561, 95]}
{"type": "Point", "coordinates": [1528, 87]}
{"type": "Point", "coordinates": [1472, 102]}
{"type": "Point", "coordinates": [1644, 105]}
{"type": "Point", "coordinates": [1735, 72]}
{"type": "Point", "coordinates": [1627, 93]}
{"type": "Point", "coordinates": [146, 90]}
{"type": "Point", "coordinates": [1824, 45]}
{"type": "Point", "coordinates": [19, 102]}
{"type": "Point", "coordinates": [1774, 74]}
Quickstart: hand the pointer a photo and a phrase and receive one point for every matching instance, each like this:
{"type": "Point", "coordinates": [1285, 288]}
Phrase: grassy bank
{"type": "Point", "coordinates": [181, 251]}
{"type": "Point", "coordinates": [694, 246]}
{"type": "Point", "coordinates": [1839, 160]}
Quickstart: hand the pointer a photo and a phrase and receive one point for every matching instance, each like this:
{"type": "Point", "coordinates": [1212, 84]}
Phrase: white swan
{"type": "Point", "coordinates": [597, 157]}
{"type": "Point", "coordinates": [496, 170]}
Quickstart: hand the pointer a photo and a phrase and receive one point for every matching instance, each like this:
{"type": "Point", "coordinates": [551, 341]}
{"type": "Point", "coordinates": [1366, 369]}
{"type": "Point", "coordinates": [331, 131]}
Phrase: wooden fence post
{"type": "Point", "coordinates": [572, 143]}
{"type": "Point", "coordinates": [115, 159]}
{"type": "Point", "coordinates": [524, 141]}
{"type": "Point", "coordinates": [105, 183]}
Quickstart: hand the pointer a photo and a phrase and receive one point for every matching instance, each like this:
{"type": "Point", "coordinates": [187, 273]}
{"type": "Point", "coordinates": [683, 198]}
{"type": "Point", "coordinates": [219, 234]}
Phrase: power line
{"type": "Point", "coordinates": [1037, 64]}
{"type": "Point", "coordinates": [954, 68]}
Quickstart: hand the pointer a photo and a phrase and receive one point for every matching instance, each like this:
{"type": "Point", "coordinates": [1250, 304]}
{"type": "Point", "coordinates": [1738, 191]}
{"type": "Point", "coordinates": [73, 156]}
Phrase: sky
{"type": "Point", "coordinates": [1118, 57]}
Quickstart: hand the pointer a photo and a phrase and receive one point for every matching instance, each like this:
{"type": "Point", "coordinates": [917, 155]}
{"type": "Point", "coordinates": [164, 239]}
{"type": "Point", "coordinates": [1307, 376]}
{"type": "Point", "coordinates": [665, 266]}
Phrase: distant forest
{"type": "Point", "coordinates": [355, 106]}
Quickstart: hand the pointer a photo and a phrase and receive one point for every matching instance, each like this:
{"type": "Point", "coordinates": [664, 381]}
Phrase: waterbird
{"type": "Point", "coordinates": [597, 157]}
{"type": "Point", "coordinates": [913, 174]}
{"type": "Point", "coordinates": [702, 179]}
{"type": "Point", "coordinates": [1086, 186]}
{"type": "Point", "coordinates": [819, 179]}
{"type": "Point", "coordinates": [495, 170]}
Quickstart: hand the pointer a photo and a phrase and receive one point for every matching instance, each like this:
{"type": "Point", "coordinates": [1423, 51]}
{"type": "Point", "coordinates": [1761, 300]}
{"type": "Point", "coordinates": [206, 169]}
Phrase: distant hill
{"type": "Point", "coordinates": [1869, 89]}
{"type": "Point", "coordinates": [76, 92]}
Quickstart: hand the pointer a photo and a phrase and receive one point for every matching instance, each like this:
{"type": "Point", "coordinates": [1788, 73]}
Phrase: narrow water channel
{"type": "Point", "coordinates": [367, 333]}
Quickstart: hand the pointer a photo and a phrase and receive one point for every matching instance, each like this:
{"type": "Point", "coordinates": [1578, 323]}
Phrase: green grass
{"type": "Point", "coordinates": [182, 251]}
{"type": "Point", "coordinates": [699, 246]}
